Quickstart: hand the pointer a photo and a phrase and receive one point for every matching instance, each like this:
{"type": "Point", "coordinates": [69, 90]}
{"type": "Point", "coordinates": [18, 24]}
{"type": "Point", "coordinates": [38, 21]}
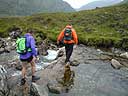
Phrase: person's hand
{"type": "Point", "coordinates": [75, 46]}
{"type": "Point", "coordinates": [58, 42]}
{"type": "Point", "coordinates": [34, 59]}
{"type": "Point", "coordinates": [37, 58]}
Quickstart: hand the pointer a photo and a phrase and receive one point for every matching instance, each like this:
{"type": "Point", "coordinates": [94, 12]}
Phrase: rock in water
{"type": "Point", "coordinates": [55, 87]}
{"type": "Point", "coordinates": [115, 64]}
{"type": "Point", "coordinates": [124, 55]}
{"type": "Point", "coordinates": [37, 90]}
{"type": "Point", "coordinates": [63, 84]}
{"type": "Point", "coordinates": [74, 63]}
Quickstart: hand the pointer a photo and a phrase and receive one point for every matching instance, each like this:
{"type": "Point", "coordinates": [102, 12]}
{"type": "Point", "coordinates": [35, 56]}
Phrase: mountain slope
{"type": "Point", "coordinates": [105, 27]}
{"type": "Point", "coordinates": [28, 7]}
{"type": "Point", "coordinates": [124, 2]}
{"type": "Point", "coordinates": [102, 3]}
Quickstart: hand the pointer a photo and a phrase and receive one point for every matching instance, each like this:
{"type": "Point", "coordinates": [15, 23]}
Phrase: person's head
{"type": "Point", "coordinates": [30, 31]}
{"type": "Point", "coordinates": [68, 26]}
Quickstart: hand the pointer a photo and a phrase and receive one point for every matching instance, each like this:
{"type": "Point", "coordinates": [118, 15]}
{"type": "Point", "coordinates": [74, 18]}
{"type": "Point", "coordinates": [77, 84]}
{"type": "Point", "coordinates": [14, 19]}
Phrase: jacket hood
{"type": "Point", "coordinates": [27, 34]}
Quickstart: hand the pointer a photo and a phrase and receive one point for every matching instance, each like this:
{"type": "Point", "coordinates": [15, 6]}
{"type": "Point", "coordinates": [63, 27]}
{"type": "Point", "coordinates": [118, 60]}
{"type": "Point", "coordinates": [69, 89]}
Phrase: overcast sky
{"type": "Point", "coordinates": [78, 3]}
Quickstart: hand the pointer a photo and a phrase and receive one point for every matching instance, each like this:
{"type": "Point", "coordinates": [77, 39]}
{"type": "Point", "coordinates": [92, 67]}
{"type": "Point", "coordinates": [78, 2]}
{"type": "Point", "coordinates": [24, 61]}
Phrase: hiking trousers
{"type": "Point", "coordinates": [68, 51]}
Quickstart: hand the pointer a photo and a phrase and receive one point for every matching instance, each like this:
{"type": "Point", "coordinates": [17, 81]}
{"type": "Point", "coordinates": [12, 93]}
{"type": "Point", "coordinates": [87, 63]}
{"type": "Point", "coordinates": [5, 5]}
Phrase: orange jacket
{"type": "Point", "coordinates": [74, 35]}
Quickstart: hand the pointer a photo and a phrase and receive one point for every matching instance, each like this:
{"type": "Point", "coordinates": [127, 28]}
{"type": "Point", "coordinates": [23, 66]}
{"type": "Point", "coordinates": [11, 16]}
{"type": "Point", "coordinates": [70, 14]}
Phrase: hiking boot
{"type": "Point", "coordinates": [23, 81]}
{"type": "Point", "coordinates": [68, 63]}
{"type": "Point", "coordinates": [35, 78]}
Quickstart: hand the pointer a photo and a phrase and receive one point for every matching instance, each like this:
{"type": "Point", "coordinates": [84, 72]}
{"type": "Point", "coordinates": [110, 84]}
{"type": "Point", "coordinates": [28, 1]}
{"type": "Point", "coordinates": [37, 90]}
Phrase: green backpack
{"type": "Point", "coordinates": [21, 47]}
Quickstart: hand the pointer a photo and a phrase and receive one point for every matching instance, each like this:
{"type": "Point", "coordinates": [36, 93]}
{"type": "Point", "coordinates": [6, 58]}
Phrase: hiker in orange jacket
{"type": "Point", "coordinates": [69, 37]}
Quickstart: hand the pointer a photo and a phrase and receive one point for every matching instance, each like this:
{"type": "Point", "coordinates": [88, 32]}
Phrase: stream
{"type": "Point", "coordinates": [92, 77]}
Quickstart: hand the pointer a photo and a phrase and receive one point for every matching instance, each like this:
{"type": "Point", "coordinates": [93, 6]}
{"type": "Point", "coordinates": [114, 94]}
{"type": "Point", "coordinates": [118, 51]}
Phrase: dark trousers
{"type": "Point", "coordinates": [68, 50]}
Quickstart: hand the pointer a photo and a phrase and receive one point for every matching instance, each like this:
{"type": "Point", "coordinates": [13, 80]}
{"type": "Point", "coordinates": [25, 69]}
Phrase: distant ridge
{"type": "Point", "coordinates": [28, 7]}
{"type": "Point", "coordinates": [101, 3]}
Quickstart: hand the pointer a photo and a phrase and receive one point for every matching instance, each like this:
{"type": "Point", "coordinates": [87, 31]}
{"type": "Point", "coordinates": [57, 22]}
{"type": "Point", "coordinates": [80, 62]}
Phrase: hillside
{"type": "Point", "coordinates": [101, 3]}
{"type": "Point", "coordinates": [124, 2]}
{"type": "Point", "coordinates": [104, 27]}
{"type": "Point", "coordinates": [28, 7]}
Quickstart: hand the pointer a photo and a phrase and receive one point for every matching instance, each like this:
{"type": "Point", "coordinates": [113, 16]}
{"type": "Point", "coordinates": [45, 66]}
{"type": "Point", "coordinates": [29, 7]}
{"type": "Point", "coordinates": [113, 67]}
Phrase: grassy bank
{"type": "Point", "coordinates": [104, 27]}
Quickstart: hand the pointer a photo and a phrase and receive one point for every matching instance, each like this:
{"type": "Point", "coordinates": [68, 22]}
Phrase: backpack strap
{"type": "Point", "coordinates": [28, 48]}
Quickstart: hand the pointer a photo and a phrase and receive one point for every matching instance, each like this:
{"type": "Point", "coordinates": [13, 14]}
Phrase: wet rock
{"type": "Point", "coordinates": [15, 64]}
{"type": "Point", "coordinates": [42, 48]}
{"type": "Point", "coordinates": [55, 87]}
{"type": "Point", "coordinates": [1, 50]}
{"type": "Point", "coordinates": [11, 44]}
{"type": "Point", "coordinates": [63, 84]}
{"type": "Point", "coordinates": [52, 46]}
{"type": "Point", "coordinates": [2, 43]}
{"type": "Point", "coordinates": [18, 67]}
{"type": "Point", "coordinates": [15, 32]}
{"type": "Point", "coordinates": [74, 63]}
{"type": "Point", "coordinates": [65, 77]}
{"type": "Point", "coordinates": [3, 82]}
{"type": "Point", "coordinates": [6, 45]}
{"type": "Point", "coordinates": [99, 51]}
{"type": "Point", "coordinates": [124, 55]}
{"type": "Point", "coordinates": [115, 64]}
{"type": "Point", "coordinates": [37, 90]}
{"type": "Point", "coordinates": [60, 54]}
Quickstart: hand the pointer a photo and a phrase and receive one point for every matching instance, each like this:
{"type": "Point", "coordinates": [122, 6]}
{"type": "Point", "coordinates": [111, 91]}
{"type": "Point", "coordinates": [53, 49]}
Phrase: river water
{"type": "Point", "coordinates": [7, 58]}
{"type": "Point", "coordinates": [95, 78]}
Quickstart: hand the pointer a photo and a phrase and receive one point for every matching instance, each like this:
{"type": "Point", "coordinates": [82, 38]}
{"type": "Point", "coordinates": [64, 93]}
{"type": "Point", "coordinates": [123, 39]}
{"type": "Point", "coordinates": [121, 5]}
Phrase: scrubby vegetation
{"type": "Point", "coordinates": [104, 27]}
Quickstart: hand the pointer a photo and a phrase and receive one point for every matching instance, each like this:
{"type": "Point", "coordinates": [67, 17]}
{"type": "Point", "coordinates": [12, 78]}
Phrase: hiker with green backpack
{"type": "Point", "coordinates": [26, 48]}
{"type": "Point", "coordinates": [69, 37]}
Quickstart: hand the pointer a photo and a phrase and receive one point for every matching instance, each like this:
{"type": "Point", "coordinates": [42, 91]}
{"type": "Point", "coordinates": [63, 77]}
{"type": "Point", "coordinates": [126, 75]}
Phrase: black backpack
{"type": "Point", "coordinates": [68, 34]}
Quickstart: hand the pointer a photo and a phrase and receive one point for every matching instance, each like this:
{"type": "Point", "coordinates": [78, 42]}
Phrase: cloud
{"type": "Point", "coordinates": [78, 3]}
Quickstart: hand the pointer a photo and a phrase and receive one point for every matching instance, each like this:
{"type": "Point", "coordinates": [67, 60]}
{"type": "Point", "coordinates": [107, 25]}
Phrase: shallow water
{"type": "Point", "coordinates": [96, 78]}
{"type": "Point", "coordinates": [40, 64]}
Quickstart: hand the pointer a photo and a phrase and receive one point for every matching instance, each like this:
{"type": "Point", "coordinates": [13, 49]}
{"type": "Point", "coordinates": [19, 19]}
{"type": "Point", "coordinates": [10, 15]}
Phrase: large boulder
{"type": "Point", "coordinates": [124, 55]}
{"type": "Point", "coordinates": [37, 90]}
{"type": "Point", "coordinates": [6, 45]}
{"type": "Point", "coordinates": [42, 48]}
{"type": "Point", "coordinates": [74, 63]}
{"type": "Point", "coordinates": [115, 64]}
{"type": "Point", "coordinates": [15, 32]}
{"type": "Point", "coordinates": [63, 84]}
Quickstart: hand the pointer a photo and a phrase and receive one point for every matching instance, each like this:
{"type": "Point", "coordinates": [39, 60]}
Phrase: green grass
{"type": "Point", "coordinates": [99, 27]}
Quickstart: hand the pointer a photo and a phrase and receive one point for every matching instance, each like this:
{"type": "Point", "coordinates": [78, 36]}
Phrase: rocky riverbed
{"type": "Point", "coordinates": [91, 74]}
